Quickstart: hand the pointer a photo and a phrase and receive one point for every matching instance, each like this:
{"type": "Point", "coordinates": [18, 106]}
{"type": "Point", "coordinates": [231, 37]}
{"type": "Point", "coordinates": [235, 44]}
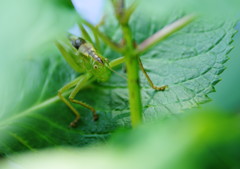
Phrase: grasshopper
{"type": "Point", "coordinates": [83, 57]}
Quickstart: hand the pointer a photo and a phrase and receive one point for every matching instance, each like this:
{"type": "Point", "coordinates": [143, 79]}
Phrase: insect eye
{"type": "Point", "coordinates": [95, 67]}
{"type": "Point", "coordinates": [77, 42]}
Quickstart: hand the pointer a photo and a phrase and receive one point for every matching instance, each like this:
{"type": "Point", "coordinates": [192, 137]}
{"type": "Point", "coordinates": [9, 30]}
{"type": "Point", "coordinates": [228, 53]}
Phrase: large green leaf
{"type": "Point", "coordinates": [188, 61]}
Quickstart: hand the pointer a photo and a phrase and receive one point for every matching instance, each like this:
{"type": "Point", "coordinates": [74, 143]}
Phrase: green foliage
{"type": "Point", "coordinates": [224, 9]}
{"type": "Point", "coordinates": [32, 116]}
{"type": "Point", "coordinates": [202, 140]}
{"type": "Point", "coordinates": [228, 88]}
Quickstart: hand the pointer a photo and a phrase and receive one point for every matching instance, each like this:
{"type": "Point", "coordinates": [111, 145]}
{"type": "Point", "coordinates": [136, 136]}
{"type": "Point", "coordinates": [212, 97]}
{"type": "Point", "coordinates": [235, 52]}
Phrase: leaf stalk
{"type": "Point", "coordinates": [164, 33]}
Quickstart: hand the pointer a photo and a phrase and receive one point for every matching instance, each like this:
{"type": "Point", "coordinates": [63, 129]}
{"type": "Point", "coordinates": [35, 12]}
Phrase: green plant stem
{"type": "Point", "coordinates": [131, 59]}
{"type": "Point", "coordinates": [134, 90]}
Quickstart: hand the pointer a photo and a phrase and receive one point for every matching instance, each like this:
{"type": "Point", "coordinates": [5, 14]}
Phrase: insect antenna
{"type": "Point", "coordinates": [116, 73]}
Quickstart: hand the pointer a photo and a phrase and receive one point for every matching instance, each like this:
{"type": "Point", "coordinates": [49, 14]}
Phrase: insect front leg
{"type": "Point", "coordinates": [60, 92]}
{"type": "Point", "coordinates": [73, 95]}
{"type": "Point", "coordinates": [160, 88]}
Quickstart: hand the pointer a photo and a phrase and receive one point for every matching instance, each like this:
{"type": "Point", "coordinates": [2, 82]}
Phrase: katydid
{"type": "Point", "coordinates": [83, 57]}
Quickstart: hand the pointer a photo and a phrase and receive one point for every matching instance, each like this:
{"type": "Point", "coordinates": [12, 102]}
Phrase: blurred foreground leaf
{"type": "Point", "coordinates": [203, 140]}
{"type": "Point", "coordinates": [26, 25]}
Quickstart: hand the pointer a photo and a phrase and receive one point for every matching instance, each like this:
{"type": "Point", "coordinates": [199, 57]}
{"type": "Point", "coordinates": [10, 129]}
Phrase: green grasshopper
{"type": "Point", "coordinates": [83, 57]}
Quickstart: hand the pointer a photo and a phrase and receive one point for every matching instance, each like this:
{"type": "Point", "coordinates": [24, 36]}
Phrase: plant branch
{"type": "Point", "coordinates": [169, 30]}
{"type": "Point", "coordinates": [119, 9]}
{"type": "Point", "coordinates": [129, 12]}
{"type": "Point", "coordinates": [85, 33]}
{"type": "Point", "coordinates": [106, 39]}
{"type": "Point", "coordinates": [164, 33]}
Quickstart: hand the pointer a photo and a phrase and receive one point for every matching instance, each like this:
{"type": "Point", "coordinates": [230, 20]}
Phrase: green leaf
{"type": "Point", "coordinates": [231, 79]}
{"type": "Point", "coordinates": [190, 61]}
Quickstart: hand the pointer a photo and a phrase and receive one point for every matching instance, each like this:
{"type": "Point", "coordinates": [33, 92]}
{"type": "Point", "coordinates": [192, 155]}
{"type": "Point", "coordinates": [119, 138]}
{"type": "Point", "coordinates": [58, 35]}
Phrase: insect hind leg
{"type": "Point", "coordinates": [159, 88]}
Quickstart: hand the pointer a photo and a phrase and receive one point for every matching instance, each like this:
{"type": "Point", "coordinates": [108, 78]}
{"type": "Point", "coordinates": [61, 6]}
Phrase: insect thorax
{"type": "Point", "coordinates": [89, 60]}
